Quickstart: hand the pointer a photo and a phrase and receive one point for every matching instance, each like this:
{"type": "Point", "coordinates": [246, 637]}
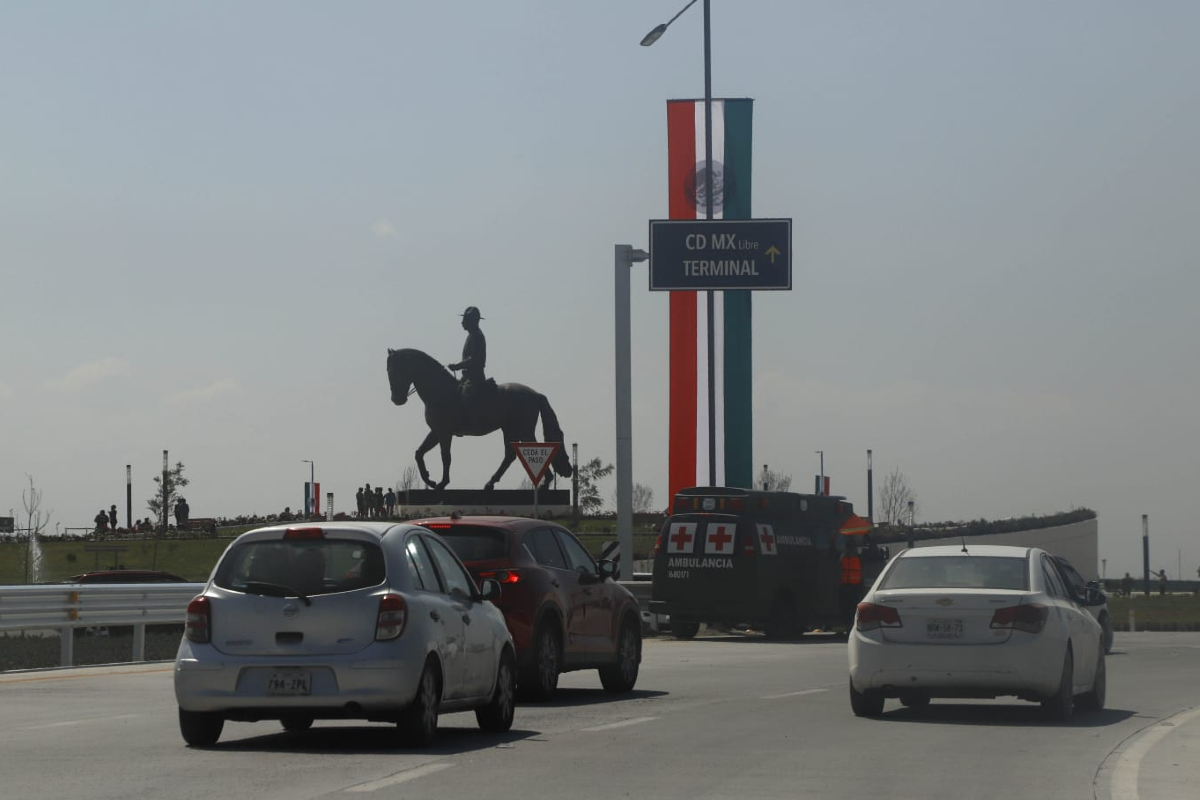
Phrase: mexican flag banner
{"type": "Point", "coordinates": [691, 443]}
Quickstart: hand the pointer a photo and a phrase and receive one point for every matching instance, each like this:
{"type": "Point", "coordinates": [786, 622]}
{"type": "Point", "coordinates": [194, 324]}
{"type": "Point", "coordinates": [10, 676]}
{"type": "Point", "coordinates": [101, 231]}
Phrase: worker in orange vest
{"type": "Point", "coordinates": [851, 590]}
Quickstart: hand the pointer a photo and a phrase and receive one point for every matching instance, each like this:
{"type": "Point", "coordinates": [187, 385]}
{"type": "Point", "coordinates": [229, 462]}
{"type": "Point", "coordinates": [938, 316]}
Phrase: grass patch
{"type": "Point", "coordinates": [36, 651]}
{"type": "Point", "coordinates": [1172, 612]}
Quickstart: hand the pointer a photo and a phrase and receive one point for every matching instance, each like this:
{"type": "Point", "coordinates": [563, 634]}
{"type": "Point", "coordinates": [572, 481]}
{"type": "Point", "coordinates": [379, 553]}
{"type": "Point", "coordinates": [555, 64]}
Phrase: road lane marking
{"type": "Point", "coordinates": [1124, 779]}
{"type": "Point", "coordinates": [68, 723]}
{"type": "Point", "coordinates": [622, 724]}
{"type": "Point", "coordinates": [401, 777]}
{"type": "Point", "coordinates": [794, 694]}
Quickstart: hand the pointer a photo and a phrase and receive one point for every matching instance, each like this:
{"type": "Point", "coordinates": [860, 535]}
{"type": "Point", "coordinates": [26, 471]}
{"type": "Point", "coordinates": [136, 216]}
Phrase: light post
{"type": "Point", "coordinates": [310, 499]}
{"type": "Point", "coordinates": [647, 40]}
{"type": "Point", "coordinates": [821, 479]}
{"type": "Point", "coordinates": [624, 257]}
{"type": "Point", "coordinates": [912, 538]}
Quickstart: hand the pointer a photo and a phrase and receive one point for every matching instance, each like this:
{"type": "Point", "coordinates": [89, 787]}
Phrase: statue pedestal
{"type": "Point", "coordinates": [498, 502]}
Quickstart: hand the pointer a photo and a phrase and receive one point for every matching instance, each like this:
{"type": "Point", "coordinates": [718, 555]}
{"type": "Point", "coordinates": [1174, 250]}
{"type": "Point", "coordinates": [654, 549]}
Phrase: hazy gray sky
{"type": "Point", "coordinates": [215, 218]}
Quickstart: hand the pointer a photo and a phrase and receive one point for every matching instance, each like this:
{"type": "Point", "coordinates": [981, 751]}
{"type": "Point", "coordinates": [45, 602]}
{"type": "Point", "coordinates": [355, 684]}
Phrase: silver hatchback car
{"type": "Point", "coordinates": [373, 621]}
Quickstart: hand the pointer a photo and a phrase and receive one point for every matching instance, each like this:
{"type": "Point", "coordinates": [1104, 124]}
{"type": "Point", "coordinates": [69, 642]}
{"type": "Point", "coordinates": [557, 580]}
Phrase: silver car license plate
{"type": "Point", "coordinates": [944, 628]}
{"type": "Point", "coordinates": [289, 682]}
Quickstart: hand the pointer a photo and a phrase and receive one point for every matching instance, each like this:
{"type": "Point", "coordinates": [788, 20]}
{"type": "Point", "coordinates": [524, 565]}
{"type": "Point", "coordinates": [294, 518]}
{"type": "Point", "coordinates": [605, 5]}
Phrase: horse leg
{"type": "Point", "coordinates": [445, 443]}
{"type": "Point", "coordinates": [425, 447]}
{"type": "Point", "coordinates": [509, 456]}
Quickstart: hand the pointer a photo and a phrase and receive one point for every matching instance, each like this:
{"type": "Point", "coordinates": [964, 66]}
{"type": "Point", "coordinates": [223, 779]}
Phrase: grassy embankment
{"type": "Point", "coordinates": [1172, 612]}
{"type": "Point", "coordinates": [189, 558]}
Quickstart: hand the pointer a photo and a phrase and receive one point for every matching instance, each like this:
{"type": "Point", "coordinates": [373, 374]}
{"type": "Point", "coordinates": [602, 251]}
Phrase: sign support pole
{"type": "Point", "coordinates": [625, 258]}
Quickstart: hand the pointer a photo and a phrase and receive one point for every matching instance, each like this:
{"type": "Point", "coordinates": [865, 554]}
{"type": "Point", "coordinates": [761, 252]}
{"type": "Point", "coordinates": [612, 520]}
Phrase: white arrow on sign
{"type": "Point", "coordinates": [536, 457]}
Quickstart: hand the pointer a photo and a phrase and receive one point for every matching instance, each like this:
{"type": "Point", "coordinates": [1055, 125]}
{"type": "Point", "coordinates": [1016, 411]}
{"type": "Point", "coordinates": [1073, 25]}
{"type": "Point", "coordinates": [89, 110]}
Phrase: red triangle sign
{"type": "Point", "coordinates": [536, 457]}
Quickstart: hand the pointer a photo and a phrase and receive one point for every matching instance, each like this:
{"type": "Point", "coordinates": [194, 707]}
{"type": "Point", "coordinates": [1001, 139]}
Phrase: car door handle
{"type": "Point", "coordinates": [467, 618]}
{"type": "Point", "coordinates": [435, 616]}
{"type": "Point", "coordinates": [554, 582]}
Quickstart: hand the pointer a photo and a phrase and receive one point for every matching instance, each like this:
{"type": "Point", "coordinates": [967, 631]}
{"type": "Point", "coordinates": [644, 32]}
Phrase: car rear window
{"type": "Point", "coordinates": [306, 566]}
{"type": "Point", "coordinates": [958, 572]}
{"type": "Point", "coordinates": [474, 542]}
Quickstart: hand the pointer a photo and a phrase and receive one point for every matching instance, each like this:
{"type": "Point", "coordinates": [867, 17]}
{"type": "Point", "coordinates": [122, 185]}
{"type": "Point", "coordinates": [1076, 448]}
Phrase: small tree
{"type": "Point", "coordinates": [36, 521]}
{"type": "Point", "coordinates": [643, 499]}
{"type": "Point", "coordinates": [409, 480]}
{"type": "Point", "coordinates": [894, 497]}
{"type": "Point", "coordinates": [164, 497]}
{"type": "Point", "coordinates": [590, 474]}
{"type": "Point", "coordinates": [771, 481]}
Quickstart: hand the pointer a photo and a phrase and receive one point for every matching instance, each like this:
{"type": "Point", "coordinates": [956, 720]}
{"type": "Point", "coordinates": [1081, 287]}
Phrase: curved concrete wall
{"type": "Point", "coordinates": [1077, 542]}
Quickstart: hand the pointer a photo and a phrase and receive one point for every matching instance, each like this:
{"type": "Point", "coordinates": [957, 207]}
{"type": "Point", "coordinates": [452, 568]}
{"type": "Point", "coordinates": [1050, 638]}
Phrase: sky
{"type": "Point", "coordinates": [215, 219]}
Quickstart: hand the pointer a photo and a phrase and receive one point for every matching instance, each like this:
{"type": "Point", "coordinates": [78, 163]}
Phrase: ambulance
{"type": "Point", "coordinates": [778, 562]}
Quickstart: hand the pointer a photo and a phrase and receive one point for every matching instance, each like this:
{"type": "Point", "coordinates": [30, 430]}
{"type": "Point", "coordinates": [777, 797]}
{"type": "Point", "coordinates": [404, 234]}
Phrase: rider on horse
{"type": "Point", "coordinates": [474, 359]}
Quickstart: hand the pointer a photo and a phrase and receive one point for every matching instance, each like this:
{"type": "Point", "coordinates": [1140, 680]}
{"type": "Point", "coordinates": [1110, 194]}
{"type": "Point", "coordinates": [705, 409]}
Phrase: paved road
{"type": "Point", "coordinates": [718, 717]}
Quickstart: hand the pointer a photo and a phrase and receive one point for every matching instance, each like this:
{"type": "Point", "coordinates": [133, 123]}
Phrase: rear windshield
{"type": "Point", "coordinates": [958, 572]}
{"type": "Point", "coordinates": [474, 542]}
{"type": "Point", "coordinates": [303, 566]}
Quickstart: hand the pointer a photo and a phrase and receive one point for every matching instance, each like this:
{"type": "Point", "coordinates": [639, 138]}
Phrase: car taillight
{"type": "Point", "coordinates": [657, 545]}
{"type": "Point", "coordinates": [871, 616]}
{"type": "Point", "coordinates": [503, 575]}
{"type": "Point", "coordinates": [393, 613]}
{"type": "Point", "coordinates": [1030, 618]}
{"type": "Point", "coordinates": [198, 625]}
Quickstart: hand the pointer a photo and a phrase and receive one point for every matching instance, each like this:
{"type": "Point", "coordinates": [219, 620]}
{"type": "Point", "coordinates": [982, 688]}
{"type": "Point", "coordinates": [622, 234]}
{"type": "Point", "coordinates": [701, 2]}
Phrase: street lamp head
{"type": "Point", "coordinates": [654, 35]}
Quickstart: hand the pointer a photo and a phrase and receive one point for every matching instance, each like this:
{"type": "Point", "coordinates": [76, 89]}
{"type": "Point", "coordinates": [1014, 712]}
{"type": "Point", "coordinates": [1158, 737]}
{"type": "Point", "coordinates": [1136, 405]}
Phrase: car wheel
{"type": "Point", "coordinates": [781, 624]}
{"type": "Point", "coordinates": [622, 675]}
{"type": "Point", "coordinates": [1061, 705]}
{"type": "Point", "coordinates": [497, 715]}
{"type": "Point", "coordinates": [866, 704]}
{"type": "Point", "coordinates": [1094, 700]}
{"type": "Point", "coordinates": [200, 728]}
{"type": "Point", "coordinates": [1106, 624]}
{"type": "Point", "coordinates": [418, 723]}
{"type": "Point", "coordinates": [296, 724]}
{"type": "Point", "coordinates": [684, 630]}
{"type": "Point", "coordinates": [916, 700]}
{"type": "Point", "coordinates": [540, 677]}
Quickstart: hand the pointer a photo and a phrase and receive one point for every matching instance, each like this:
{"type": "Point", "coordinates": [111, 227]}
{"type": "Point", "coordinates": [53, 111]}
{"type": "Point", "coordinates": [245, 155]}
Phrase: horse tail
{"type": "Point", "coordinates": [551, 432]}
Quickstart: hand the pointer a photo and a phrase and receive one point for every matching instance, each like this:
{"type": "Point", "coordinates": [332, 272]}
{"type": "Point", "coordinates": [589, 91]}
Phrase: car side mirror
{"type": "Point", "coordinates": [489, 589]}
{"type": "Point", "coordinates": [1093, 597]}
{"type": "Point", "coordinates": [606, 569]}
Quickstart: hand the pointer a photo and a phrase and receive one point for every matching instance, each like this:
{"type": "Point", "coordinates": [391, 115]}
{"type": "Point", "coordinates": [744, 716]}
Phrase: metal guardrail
{"type": "Point", "coordinates": [65, 607]}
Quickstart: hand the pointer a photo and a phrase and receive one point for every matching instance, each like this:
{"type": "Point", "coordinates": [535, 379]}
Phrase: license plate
{"type": "Point", "coordinates": [291, 682]}
{"type": "Point", "coordinates": [944, 628]}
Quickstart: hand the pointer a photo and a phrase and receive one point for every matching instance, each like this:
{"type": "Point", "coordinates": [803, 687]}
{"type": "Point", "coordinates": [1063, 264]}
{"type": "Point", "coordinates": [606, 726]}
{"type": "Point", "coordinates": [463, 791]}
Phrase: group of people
{"type": "Point", "coordinates": [106, 520]}
{"type": "Point", "coordinates": [182, 512]}
{"type": "Point", "coordinates": [375, 503]}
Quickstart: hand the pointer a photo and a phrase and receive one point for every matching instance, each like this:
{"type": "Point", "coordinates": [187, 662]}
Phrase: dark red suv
{"type": "Point", "coordinates": [565, 611]}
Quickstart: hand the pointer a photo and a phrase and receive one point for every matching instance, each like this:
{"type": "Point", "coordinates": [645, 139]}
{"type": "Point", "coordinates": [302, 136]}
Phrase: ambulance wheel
{"type": "Point", "coordinates": [685, 630]}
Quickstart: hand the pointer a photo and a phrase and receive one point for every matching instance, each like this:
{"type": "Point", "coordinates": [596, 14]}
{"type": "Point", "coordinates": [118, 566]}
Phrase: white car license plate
{"type": "Point", "coordinates": [944, 628]}
{"type": "Point", "coordinates": [290, 682]}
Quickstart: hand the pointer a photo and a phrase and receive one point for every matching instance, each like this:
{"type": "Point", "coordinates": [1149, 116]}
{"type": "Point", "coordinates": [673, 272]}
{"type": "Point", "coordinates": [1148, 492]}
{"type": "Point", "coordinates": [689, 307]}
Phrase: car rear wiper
{"type": "Point", "coordinates": [274, 590]}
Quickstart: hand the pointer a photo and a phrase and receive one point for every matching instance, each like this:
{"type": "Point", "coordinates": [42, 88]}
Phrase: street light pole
{"type": "Point", "coordinates": [710, 299]}
{"type": "Point", "coordinates": [625, 256]}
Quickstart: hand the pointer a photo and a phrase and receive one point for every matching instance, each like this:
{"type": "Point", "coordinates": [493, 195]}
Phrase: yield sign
{"type": "Point", "coordinates": [535, 457]}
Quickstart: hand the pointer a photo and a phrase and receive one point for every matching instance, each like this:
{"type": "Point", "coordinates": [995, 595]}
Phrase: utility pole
{"type": "Point", "coordinates": [1146, 552]}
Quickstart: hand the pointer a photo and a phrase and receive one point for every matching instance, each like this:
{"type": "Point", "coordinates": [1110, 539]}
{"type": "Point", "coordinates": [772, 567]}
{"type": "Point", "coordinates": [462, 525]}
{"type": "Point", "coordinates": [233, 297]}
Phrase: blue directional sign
{"type": "Point", "coordinates": [699, 254]}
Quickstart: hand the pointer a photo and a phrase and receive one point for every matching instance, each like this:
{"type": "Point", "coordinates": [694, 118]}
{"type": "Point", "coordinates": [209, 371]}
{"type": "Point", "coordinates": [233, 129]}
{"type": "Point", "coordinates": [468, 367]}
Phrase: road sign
{"type": "Point", "coordinates": [535, 457]}
{"type": "Point", "coordinates": [697, 254]}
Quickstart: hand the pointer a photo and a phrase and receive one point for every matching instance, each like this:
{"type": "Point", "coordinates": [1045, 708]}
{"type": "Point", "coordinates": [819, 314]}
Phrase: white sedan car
{"type": "Point", "coordinates": [974, 621]}
{"type": "Point", "coordinates": [373, 621]}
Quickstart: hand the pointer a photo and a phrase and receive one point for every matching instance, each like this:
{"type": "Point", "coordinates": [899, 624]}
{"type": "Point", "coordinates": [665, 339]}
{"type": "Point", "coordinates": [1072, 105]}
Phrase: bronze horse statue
{"type": "Point", "coordinates": [511, 408]}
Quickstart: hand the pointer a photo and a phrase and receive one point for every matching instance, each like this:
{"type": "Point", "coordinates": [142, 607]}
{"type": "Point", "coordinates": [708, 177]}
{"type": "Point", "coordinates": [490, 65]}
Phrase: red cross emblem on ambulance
{"type": "Point", "coordinates": [766, 540]}
{"type": "Point", "coordinates": [718, 539]}
{"type": "Point", "coordinates": [680, 537]}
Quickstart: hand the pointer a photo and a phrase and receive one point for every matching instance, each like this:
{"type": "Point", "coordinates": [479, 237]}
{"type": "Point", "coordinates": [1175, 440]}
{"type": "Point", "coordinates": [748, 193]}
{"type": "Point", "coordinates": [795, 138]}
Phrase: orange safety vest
{"type": "Point", "coordinates": [851, 570]}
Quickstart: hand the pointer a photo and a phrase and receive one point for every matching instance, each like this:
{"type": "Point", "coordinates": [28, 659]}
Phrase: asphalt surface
{"type": "Point", "coordinates": [718, 717]}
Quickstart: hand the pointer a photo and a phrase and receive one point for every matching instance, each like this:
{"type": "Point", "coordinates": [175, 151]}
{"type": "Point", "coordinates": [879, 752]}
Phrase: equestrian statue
{"type": "Point", "coordinates": [471, 406]}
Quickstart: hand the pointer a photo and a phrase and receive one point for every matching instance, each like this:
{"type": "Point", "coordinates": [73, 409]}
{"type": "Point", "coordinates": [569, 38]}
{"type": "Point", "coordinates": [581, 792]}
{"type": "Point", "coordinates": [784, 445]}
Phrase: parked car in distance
{"type": "Point", "coordinates": [1089, 595]}
{"type": "Point", "coordinates": [374, 621]}
{"type": "Point", "coordinates": [564, 610]}
{"type": "Point", "coordinates": [982, 621]}
{"type": "Point", "coordinates": [127, 576]}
